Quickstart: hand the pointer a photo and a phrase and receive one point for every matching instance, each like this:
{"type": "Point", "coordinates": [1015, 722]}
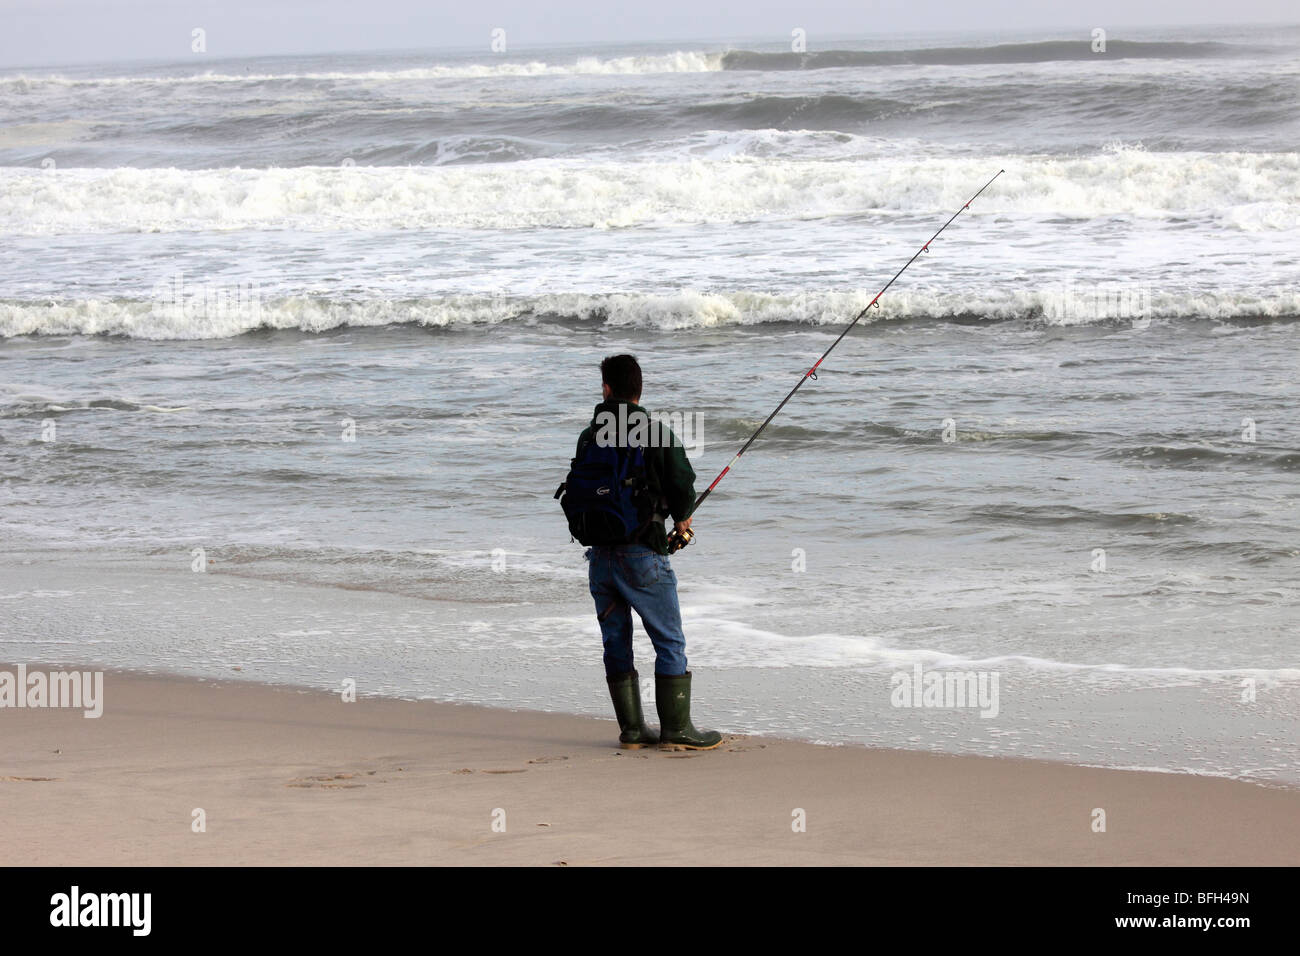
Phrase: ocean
{"type": "Point", "coordinates": [294, 352]}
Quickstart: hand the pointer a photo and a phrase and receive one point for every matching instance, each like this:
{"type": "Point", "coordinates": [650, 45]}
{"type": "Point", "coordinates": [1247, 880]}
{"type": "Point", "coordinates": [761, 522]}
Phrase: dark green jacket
{"type": "Point", "coordinates": [668, 473]}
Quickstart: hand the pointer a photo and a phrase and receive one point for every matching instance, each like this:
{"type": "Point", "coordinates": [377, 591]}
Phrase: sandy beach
{"type": "Point", "coordinates": [286, 776]}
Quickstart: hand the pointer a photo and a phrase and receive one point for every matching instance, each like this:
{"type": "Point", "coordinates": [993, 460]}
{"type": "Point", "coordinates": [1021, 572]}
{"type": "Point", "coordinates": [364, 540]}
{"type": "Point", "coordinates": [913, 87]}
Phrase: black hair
{"type": "Point", "coordinates": [623, 376]}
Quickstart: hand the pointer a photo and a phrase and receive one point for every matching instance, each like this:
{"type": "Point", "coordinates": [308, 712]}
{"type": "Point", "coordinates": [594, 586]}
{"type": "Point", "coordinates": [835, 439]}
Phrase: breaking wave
{"type": "Point", "coordinates": [1242, 191]}
{"type": "Point", "coordinates": [687, 309]}
{"type": "Point", "coordinates": [1044, 51]}
{"type": "Point", "coordinates": [678, 62]}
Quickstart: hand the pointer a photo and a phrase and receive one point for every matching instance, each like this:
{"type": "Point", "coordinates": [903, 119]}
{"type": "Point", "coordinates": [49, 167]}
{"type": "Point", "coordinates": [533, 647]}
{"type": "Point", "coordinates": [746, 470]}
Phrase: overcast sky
{"type": "Point", "coordinates": [79, 31]}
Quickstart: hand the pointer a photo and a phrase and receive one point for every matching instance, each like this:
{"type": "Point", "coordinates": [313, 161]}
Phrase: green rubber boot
{"type": "Point", "coordinates": [673, 701]}
{"type": "Point", "coordinates": [625, 690]}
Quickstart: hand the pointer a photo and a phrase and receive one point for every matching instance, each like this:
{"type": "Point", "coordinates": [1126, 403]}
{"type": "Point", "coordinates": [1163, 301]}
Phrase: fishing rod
{"type": "Point", "coordinates": [680, 539]}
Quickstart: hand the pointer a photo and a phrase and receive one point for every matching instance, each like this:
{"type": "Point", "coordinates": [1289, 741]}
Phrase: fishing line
{"type": "Point", "coordinates": [680, 539]}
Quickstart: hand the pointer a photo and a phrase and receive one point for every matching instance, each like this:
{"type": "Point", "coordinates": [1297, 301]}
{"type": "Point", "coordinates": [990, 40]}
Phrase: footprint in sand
{"type": "Point", "coordinates": [551, 759]}
{"type": "Point", "coordinates": [328, 781]}
{"type": "Point", "coordinates": [468, 770]}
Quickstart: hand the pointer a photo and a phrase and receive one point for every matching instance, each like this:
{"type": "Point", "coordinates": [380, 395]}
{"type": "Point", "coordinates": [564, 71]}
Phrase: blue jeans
{"type": "Point", "coordinates": [627, 577]}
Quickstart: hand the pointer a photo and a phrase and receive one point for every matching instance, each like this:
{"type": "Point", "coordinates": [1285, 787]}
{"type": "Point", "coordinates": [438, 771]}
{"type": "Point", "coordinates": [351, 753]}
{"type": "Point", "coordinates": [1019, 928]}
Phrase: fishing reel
{"type": "Point", "coordinates": [679, 539]}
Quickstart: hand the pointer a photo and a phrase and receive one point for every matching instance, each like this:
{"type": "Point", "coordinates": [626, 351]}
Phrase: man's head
{"type": "Point", "coordinates": [620, 377]}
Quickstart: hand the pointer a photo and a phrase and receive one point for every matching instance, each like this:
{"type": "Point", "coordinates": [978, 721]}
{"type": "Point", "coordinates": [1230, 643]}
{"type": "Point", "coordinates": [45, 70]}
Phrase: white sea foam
{"type": "Point", "coordinates": [681, 61]}
{"type": "Point", "coordinates": [731, 643]}
{"type": "Point", "coordinates": [686, 309]}
{"type": "Point", "coordinates": [1241, 191]}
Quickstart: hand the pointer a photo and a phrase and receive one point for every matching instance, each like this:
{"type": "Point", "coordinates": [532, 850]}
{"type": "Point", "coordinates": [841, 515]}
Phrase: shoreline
{"type": "Point", "coordinates": [289, 685]}
{"type": "Point", "coordinates": [290, 775]}
{"type": "Point", "coordinates": [148, 612]}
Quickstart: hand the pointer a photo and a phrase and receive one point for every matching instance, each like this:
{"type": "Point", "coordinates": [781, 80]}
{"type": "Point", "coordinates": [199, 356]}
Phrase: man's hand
{"type": "Point", "coordinates": [682, 525]}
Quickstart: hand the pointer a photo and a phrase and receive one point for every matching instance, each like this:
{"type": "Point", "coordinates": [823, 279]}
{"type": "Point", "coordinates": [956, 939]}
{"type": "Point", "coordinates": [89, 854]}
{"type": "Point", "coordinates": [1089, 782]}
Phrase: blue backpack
{"type": "Point", "coordinates": [606, 496]}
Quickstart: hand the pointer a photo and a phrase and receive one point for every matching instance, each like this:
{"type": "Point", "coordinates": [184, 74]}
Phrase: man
{"type": "Point", "coordinates": [636, 575]}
